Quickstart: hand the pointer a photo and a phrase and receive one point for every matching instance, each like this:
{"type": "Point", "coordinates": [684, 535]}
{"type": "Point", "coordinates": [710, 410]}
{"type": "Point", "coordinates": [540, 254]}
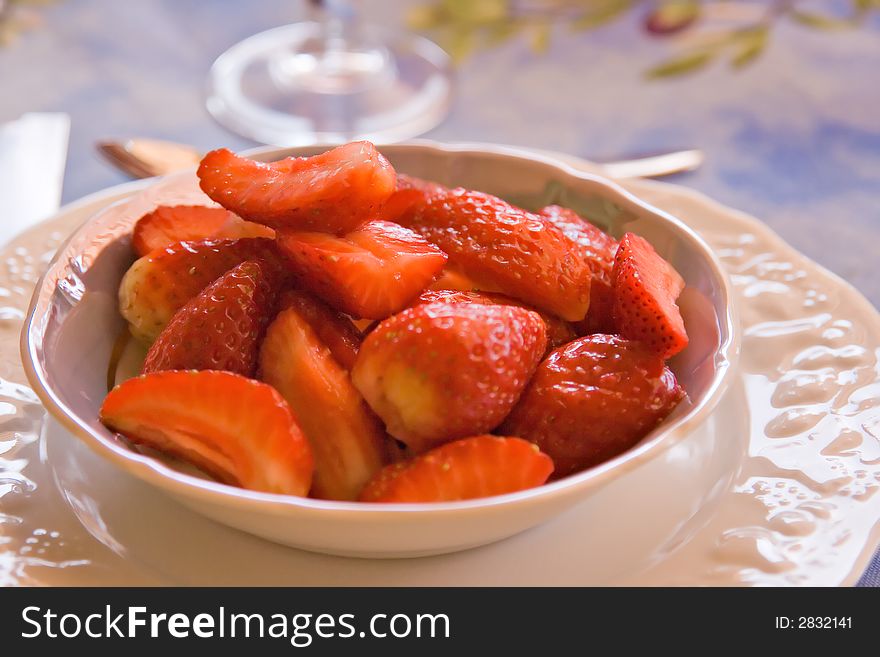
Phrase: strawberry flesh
{"type": "Point", "coordinates": [347, 439]}
{"type": "Point", "coordinates": [169, 224]}
{"type": "Point", "coordinates": [333, 328]}
{"type": "Point", "coordinates": [369, 273]}
{"type": "Point", "coordinates": [441, 371]}
{"type": "Point", "coordinates": [480, 466]}
{"type": "Point", "coordinates": [645, 290]}
{"type": "Point", "coordinates": [334, 192]}
{"type": "Point", "coordinates": [238, 430]}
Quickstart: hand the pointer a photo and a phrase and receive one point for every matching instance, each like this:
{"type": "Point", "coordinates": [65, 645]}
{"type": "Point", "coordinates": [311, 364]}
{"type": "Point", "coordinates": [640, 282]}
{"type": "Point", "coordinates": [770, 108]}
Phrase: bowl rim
{"type": "Point", "coordinates": [164, 477]}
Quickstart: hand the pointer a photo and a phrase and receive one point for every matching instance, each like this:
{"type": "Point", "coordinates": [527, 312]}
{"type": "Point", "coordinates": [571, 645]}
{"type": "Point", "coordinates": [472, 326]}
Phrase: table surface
{"type": "Point", "coordinates": [793, 139]}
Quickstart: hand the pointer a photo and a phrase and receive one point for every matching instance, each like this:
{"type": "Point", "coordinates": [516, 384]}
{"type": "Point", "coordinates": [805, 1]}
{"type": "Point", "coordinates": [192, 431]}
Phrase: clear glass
{"type": "Point", "coordinates": [330, 80]}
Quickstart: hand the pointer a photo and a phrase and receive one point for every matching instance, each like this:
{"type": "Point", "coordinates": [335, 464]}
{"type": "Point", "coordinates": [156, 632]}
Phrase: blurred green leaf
{"type": "Point", "coordinates": [819, 21]}
{"type": "Point", "coordinates": [679, 65]}
{"type": "Point", "coordinates": [866, 5]}
{"type": "Point", "coordinates": [749, 44]}
{"type": "Point", "coordinates": [461, 43]}
{"type": "Point", "coordinates": [539, 38]}
{"type": "Point", "coordinates": [423, 17]}
{"type": "Point", "coordinates": [501, 32]}
{"type": "Point", "coordinates": [476, 11]}
{"type": "Point", "coordinates": [602, 13]}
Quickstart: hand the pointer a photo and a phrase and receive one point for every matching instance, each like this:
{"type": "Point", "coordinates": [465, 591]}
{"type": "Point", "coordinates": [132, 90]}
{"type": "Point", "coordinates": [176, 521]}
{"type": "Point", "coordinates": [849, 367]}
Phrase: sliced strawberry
{"type": "Point", "coordinates": [221, 328]}
{"type": "Point", "coordinates": [346, 437]}
{"type": "Point", "coordinates": [645, 290]}
{"type": "Point", "coordinates": [334, 192]}
{"type": "Point", "coordinates": [370, 273]}
{"type": "Point", "coordinates": [506, 248]}
{"type": "Point", "coordinates": [441, 371]}
{"type": "Point", "coordinates": [334, 329]}
{"type": "Point", "coordinates": [464, 469]}
{"type": "Point", "coordinates": [169, 224]}
{"type": "Point", "coordinates": [410, 192]}
{"type": "Point", "coordinates": [451, 278]}
{"type": "Point", "coordinates": [598, 249]}
{"type": "Point", "coordinates": [159, 284]}
{"type": "Point", "coordinates": [593, 399]}
{"type": "Point", "coordinates": [238, 430]}
{"type": "Point", "coordinates": [559, 331]}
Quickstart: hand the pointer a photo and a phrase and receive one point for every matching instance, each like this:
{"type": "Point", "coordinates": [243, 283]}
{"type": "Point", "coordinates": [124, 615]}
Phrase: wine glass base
{"type": "Point", "coordinates": [268, 88]}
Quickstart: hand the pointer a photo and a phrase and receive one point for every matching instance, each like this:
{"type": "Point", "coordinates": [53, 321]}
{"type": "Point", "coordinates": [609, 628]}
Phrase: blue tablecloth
{"type": "Point", "coordinates": [793, 139]}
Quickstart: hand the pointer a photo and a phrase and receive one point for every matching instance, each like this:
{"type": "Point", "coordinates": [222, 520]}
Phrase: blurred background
{"type": "Point", "coordinates": [783, 97]}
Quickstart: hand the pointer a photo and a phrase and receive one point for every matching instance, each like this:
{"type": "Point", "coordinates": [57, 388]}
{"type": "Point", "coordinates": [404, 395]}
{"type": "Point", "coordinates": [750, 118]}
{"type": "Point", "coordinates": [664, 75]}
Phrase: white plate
{"type": "Point", "coordinates": [778, 487]}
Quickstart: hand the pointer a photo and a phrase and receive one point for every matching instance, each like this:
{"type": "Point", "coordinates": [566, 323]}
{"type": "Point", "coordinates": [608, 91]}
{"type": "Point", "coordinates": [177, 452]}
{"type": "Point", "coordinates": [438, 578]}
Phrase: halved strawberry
{"type": "Point", "coordinates": [592, 399]}
{"type": "Point", "coordinates": [346, 437]}
{"type": "Point", "coordinates": [370, 273]}
{"type": "Point", "coordinates": [598, 249]}
{"type": "Point", "coordinates": [169, 224]}
{"type": "Point", "coordinates": [559, 331]}
{"type": "Point", "coordinates": [506, 248]}
{"type": "Point", "coordinates": [238, 430]}
{"type": "Point", "coordinates": [157, 285]}
{"type": "Point", "coordinates": [333, 192]}
{"type": "Point", "coordinates": [332, 327]}
{"type": "Point", "coordinates": [440, 371]}
{"type": "Point", "coordinates": [645, 290]}
{"type": "Point", "coordinates": [220, 329]}
{"type": "Point", "coordinates": [464, 469]}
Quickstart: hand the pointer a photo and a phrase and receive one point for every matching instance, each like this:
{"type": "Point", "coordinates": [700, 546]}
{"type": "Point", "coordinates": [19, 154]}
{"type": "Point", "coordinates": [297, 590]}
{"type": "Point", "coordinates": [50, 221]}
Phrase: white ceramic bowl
{"type": "Point", "coordinates": [73, 322]}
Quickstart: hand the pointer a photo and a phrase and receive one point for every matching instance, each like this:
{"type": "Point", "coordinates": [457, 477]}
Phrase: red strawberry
{"type": "Point", "coordinates": [169, 224]}
{"type": "Point", "coordinates": [238, 430]}
{"type": "Point", "coordinates": [645, 290]}
{"type": "Point", "coordinates": [506, 248]}
{"type": "Point", "coordinates": [441, 371]}
{"type": "Point", "coordinates": [346, 437]}
{"type": "Point", "coordinates": [410, 191]}
{"type": "Point", "coordinates": [593, 399]}
{"type": "Point", "coordinates": [451, 278]}
{"type": "Point", "coordinates": [464, 469]}
{"type": "Point", "coordinates": [220, 329]}
{"type": "Point", "coordinates": [334, 329]}
{"type": "Point", "coordinates": [157, 285]}
{"type": "Point", "coordinates": [599, 249]}
{"type": "Point", "coordinates": [558, 330]}
{"type": "Point", "coordinates": [370, 273]}
{"type": "Point", "coordinates": [334, 192]}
